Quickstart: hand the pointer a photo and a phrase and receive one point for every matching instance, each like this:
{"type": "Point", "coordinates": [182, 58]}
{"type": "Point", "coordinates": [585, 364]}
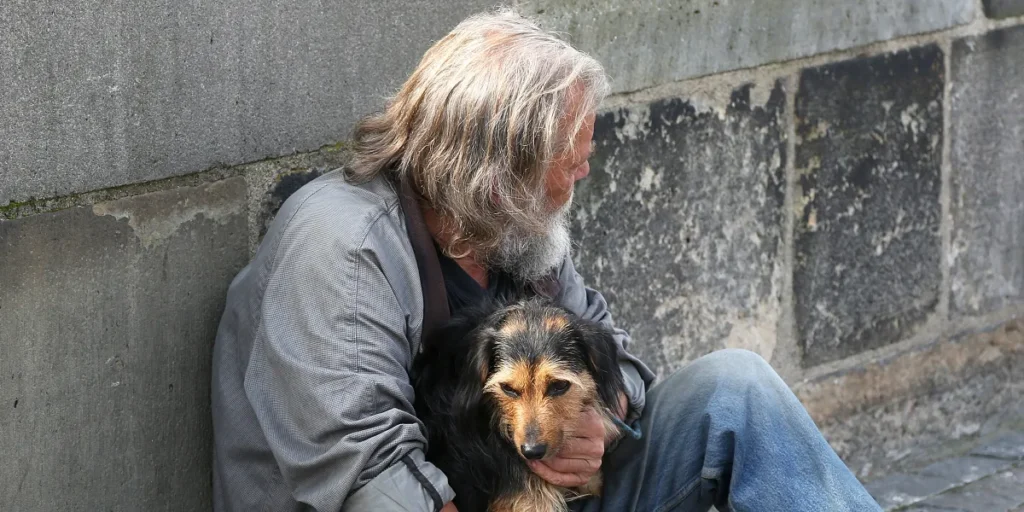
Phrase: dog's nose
{"type": "Point", "coordinates": [534, 451]}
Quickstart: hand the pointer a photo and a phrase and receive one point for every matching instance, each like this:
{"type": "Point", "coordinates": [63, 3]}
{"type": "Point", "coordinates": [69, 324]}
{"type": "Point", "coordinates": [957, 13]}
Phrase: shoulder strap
{"type": "Point", "coordinates": [435, 296]}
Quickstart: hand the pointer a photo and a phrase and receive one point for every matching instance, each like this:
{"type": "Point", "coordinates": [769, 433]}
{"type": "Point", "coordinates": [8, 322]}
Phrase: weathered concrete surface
{"type": "Point", "coordinates": [987, 146]}
{"type": "Point", "coordinates": [867, 242]}
{"type": "Point", "coordinates": [97, 94]}
{"type": "Point", "coordinates": [650, 42]}
{"type": "Point", "coordinates": [107, 318]}
{"type": "Point", "coordinates": [1003, 8]}
{"type": "Point", "coordinates": [679, 223]}
{"type": "Point", "coordinates": [888, 415]}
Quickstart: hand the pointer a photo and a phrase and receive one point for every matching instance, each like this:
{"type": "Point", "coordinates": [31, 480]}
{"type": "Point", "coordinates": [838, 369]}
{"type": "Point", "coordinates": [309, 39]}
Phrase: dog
{"type": "Point", "coordinates": [502, 384]}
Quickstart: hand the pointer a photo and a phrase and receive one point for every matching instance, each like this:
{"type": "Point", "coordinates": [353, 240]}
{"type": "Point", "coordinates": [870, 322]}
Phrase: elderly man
{"type": "Point", "coordinates": [458, 191]}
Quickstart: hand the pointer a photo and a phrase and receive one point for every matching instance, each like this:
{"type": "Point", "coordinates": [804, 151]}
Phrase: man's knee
{"type": "Point", "coordinates": [731, 368]}
{"type": "Point", "coordinates": [737, 360]}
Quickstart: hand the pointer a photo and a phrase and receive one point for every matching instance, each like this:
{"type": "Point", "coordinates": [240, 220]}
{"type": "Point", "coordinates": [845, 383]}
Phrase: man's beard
{"type": "Point", "coordinates": [528, 256]}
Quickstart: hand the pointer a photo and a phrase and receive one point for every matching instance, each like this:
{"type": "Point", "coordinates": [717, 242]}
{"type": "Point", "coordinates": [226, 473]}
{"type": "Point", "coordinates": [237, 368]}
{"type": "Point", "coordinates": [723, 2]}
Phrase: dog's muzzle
{"type": "Point", "coordinates": [533, 451]}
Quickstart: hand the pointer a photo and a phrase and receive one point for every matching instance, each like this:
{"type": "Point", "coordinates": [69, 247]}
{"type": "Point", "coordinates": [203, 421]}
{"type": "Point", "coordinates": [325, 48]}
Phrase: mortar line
{"type": "Point", "coordinates": [945, 191]}
{"type": "Point", "coordinates": [790, 364]}
{"type": "Point", "coordinates": [252, 189]}
{"type": "Point", "coordinates": [300, 160]}
{"type": "Point", "coordinates": [979, 7]}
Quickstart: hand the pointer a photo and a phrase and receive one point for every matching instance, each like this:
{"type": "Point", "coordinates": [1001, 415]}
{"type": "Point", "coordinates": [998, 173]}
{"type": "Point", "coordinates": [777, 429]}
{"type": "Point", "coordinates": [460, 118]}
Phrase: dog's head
{"type": "Point", "coordinates": [541, 367]}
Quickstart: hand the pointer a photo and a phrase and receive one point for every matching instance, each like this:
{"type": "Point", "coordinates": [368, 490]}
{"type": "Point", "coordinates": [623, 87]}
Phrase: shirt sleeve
{"type": "Point", "coordinates": [328, 377]}
{"type": "Point", "coordinates": [589, 304]}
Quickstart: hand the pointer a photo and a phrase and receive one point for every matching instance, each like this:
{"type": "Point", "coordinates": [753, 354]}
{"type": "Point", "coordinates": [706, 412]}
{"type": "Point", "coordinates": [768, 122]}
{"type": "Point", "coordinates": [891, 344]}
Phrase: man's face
{"type": "Point", "coordinates": [570, 167]}
{"type": "Point", "coordinates": [529, 256]}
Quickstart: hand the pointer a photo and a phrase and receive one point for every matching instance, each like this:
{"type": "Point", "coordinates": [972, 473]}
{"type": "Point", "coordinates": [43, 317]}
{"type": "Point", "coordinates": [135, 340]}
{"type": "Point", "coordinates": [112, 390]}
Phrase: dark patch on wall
{"type": "Point", "coordinates": [678, 224]}
{"type": "Point", "coordinates": [867, 240]}
{"type": "Point", "coordinates": [1003, 8]}
{"type": "Point", "coordinates": [286, 185]}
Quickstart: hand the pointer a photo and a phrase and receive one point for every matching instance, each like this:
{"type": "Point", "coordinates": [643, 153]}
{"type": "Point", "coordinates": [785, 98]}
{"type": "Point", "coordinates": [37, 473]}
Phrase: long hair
{"type": "Point", "coordinates": [477, 124]}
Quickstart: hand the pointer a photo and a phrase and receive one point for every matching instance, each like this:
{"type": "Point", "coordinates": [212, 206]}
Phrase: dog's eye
{"type": "Point", "coordinates": [558, 387]}
{"type": "Point", "coordinates": [509, 391]}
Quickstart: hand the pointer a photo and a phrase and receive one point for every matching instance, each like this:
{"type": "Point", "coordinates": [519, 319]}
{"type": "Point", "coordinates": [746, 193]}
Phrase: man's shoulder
{"type": "Point", "coordinates": [331, 210]}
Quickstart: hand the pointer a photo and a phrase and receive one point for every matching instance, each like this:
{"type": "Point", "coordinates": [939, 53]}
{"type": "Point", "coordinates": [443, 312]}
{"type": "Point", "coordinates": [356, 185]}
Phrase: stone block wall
{"type": "Point", "coordinates": [838, 187]}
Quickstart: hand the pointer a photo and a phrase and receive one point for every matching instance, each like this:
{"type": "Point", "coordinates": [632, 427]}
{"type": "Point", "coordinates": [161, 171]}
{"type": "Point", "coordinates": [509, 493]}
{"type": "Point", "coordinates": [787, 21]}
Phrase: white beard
{"type": "Point", "coordinates": [528, 257]}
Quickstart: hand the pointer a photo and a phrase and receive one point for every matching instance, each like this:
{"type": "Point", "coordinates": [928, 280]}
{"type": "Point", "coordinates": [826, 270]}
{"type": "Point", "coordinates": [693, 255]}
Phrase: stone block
{"type": "Point", "coordinates": [1007, 447]}
{"type": "Point", "coordinates": [962, 470]}
{"type": "Point", "coordinates": [679, 223]}
{"type": "Point", "coordinates": [1001, 491]}
{"type": "Point", "coordinates": [987, 184]}
{"type": "Point", "coordinates": [107, 319]}
{"type": "Point", "coordinates": [867, 240]}
{"type": "Point", "coordinates": [901, 490]}
{"type": "Point", "coordinates": [1003, 8]}
{"type": "Point", "coordinates": [644, 43]}
{"type": "Point", "coordinates": [99, 94]}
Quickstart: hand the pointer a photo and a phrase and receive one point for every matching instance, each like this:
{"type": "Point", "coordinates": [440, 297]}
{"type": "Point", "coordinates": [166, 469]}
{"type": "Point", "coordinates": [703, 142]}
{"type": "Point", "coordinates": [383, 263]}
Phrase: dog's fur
{"type": "Point", "coordinates": [501, 376]}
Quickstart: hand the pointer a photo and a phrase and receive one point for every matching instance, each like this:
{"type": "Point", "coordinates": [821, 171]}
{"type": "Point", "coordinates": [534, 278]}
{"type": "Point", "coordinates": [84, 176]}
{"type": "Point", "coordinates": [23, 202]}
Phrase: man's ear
{"type": "Point", "coordinates": [601, 355]}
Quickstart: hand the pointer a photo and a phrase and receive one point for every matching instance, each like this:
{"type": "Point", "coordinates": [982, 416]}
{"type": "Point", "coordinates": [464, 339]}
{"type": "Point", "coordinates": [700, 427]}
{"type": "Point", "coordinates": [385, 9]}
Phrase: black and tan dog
{"type": "Point", "coordinates": [503, 384]}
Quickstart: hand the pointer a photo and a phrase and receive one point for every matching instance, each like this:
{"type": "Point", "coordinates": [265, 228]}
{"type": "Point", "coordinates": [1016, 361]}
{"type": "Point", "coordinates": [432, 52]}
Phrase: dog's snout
{"type": "Point", "coordinates": [534, 451]}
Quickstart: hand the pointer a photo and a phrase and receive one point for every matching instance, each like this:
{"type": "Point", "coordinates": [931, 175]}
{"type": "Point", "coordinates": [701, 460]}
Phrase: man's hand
{"type": "Point", "coordinates": [449, 507]}
{"type": "Point", "coordinates": [580, 456]}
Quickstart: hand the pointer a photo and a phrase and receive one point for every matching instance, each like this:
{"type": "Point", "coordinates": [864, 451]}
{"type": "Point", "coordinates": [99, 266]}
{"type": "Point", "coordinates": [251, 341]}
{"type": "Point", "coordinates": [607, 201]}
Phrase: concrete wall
{"type": "Point", "coordinates": [837, 187]}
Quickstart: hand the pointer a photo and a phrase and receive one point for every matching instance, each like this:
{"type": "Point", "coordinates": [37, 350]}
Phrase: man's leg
{"type": "Point", "coordinates": [727, 431]}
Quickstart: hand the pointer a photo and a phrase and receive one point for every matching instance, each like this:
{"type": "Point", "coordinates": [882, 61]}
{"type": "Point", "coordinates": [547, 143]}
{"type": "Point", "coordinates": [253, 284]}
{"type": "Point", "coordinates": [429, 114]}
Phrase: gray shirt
{"type": "Point", "coordinates": [312, 405]}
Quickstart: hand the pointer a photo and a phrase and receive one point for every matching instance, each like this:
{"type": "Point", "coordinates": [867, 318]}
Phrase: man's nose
{"type": "Point", "coordinates": [582, 172]}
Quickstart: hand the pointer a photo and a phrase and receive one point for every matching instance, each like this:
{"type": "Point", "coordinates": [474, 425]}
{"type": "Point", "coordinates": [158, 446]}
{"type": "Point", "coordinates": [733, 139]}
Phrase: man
{"type": "Point", "coordinates": [460, 190]}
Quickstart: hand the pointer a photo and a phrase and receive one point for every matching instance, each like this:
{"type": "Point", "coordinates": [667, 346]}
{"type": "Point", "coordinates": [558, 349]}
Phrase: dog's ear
{"type": "Point", "coordinates": [484, 355]}
{"type": "Point", "coordinates": [481, 361]}
{"type": "Point", "coordinates": [600, 353]}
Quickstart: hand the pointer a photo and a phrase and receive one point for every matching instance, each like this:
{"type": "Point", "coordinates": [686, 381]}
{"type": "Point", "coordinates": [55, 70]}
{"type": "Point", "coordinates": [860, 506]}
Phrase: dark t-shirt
{"type": "Point", "coordinates": [464, 291]}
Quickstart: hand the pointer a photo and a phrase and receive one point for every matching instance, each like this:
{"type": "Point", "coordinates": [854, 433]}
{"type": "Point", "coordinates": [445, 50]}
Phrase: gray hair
{"type": "Point", "coordinates": [478, 123]}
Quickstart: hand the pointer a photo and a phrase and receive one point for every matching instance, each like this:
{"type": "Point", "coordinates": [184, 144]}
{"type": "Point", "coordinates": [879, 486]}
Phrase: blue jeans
{"type": "Point", "coordinates": [726, 431]}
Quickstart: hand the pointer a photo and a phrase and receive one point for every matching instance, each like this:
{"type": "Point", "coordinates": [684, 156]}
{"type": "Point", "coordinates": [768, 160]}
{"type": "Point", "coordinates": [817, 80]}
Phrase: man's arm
{"type": "Point", "coordinates": [328, 376]}
{"type": "Point", "coordinates": [591, 305]}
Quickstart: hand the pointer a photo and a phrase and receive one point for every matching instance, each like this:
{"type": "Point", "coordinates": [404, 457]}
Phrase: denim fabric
{"type": "Point", "coordinates": [726, 431]}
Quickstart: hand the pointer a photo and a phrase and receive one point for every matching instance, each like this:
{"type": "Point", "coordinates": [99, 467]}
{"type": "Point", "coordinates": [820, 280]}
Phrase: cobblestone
{"type": "Point", "coordinates": [1002, 491]}
{"type": "Point", "coordinates": [989, 479]}
{"type": "Point", "coordinates": [1010, 447]}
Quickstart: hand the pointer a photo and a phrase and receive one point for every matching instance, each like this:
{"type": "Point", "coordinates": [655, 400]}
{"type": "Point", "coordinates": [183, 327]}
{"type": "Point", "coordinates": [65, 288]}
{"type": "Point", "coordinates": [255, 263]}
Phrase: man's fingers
{"type": "Point", "coordinates": [579, 466]}
{"type": "Point", "coordinates": [554, 477]}
{"type": "Point", "coordinates": [589, 425]}
{"type": "Point", "coordinates": [582, 448]}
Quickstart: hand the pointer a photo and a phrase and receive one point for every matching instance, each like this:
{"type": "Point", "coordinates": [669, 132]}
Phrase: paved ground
{"type": "Point", "coordinates": [987, 476]}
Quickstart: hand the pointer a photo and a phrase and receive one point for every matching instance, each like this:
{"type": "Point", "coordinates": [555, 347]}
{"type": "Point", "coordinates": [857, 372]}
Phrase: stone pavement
{"type": "Point", "coordinates": [985, 477]}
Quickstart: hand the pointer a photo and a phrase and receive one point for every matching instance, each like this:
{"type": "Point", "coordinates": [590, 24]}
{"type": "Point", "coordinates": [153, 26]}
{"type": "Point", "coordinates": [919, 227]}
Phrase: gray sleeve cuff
{"type": "Point", "coordinates": [410, 485]}
{"type": "Point", "coordinates": [636, 390]}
